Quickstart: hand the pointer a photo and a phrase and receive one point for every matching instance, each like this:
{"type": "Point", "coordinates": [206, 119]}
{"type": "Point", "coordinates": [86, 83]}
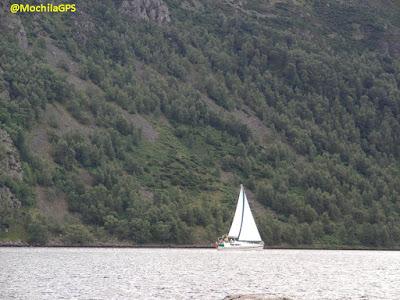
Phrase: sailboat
{"type": "Point", "coordinates": [243, 233]}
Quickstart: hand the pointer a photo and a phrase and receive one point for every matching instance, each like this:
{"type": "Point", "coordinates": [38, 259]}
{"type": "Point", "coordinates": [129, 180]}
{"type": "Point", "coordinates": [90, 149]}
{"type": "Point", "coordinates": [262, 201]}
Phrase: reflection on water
{"type": "Point", "coordinates": [62, 273]}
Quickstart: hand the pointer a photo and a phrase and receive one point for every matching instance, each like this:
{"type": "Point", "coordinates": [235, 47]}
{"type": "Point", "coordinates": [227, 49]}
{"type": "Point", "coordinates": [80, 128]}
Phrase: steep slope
{"type": "Point", "coordinates": [136, 121]}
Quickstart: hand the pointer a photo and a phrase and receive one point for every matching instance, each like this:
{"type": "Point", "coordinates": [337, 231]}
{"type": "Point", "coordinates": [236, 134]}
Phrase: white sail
{"type": "Point", "coordinates": [249, 230]}
{"type": "Point", "coordinates": [237, 219]}
{"type": "Point", "coordinates": [244, 227]}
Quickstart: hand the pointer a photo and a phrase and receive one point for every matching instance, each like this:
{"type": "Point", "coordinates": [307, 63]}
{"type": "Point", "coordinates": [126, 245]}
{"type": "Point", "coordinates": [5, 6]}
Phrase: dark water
{"type": "Point", "coordinates": [62, 273]}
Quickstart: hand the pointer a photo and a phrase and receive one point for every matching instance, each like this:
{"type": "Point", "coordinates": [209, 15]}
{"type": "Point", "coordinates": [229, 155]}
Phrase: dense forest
{"type": "Point", "coordinates": [126, 127]}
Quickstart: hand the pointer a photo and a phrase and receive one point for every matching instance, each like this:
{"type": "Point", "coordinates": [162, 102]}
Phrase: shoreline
{"type": "Point", "coordinates": [20, 244]}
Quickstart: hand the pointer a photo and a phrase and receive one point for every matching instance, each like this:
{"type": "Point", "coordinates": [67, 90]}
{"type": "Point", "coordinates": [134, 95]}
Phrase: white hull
{"type": "Point", "coordinates": [237, 245]}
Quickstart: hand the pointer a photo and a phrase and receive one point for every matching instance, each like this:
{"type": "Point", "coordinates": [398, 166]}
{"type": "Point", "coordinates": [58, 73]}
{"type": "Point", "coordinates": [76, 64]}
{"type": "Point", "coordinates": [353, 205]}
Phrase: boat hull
{"type": "Point", "coordinates": [237, 245]}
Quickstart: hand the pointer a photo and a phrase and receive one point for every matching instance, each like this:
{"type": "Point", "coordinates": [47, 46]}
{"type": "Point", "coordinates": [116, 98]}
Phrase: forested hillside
{"type": "Point", "coordinates": [136, 121]}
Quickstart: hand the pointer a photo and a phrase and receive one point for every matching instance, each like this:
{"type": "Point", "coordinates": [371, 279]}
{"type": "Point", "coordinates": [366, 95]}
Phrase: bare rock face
{"type": "Point", "coordinates": [10, 164]}
{"type": "Point", "coordinates": [8, 201]}
{"type": "Point", "coordinates": [84, 25]}
{"type": "Point", "coordinates": [12, 22]}
{"type": "Point", "coordinates": [150, 10]}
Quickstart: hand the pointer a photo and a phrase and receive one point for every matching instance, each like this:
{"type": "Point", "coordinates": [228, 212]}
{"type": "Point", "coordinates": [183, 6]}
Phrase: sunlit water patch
{"type": "Point", "coordinates": [81, 273]}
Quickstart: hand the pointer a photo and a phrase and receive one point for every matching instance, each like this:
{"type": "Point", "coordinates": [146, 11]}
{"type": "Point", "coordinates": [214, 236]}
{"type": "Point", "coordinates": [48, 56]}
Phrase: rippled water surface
{"type": "Point", "coordinates": [62, 273]}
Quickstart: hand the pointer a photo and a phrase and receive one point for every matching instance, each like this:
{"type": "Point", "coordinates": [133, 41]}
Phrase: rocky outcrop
{"type": "Point", "coordinates": [12, 22]}
{"type": "Point", "coordinates": [17, 243]}
{"type": "Point", "coordinates": [8, 201]}
{"type": "Point", "coordinates": [10, 166]}
{"type": "Point", "coordinates": [149, 10]}
{"type": "Point", "coordinates": [10, 163]}
{"type": "Point", "coordinates": [84, 25]}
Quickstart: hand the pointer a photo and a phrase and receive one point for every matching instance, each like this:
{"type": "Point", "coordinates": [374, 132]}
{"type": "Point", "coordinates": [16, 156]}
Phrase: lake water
{"type": "Point", "coordinates": [81, 273]}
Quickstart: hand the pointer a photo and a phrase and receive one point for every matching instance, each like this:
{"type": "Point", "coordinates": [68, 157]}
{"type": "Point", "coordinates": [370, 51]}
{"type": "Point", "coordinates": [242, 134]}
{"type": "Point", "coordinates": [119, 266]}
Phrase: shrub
{"type": "Point", "coordinates": [77, 234]}
{"type": "Point", "coordinates": [38, 233]}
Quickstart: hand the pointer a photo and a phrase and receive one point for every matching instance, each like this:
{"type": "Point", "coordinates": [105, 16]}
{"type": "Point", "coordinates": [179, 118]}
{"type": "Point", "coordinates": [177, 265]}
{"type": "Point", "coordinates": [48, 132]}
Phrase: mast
{"type": "Point", "coordinates": [241, 221]}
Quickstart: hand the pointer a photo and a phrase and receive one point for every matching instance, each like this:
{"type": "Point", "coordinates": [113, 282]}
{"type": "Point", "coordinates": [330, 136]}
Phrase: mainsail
{"type": "Point", "coordinates": [244, 227]}
{"type": "Point", "coordinates": [237, 219]}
